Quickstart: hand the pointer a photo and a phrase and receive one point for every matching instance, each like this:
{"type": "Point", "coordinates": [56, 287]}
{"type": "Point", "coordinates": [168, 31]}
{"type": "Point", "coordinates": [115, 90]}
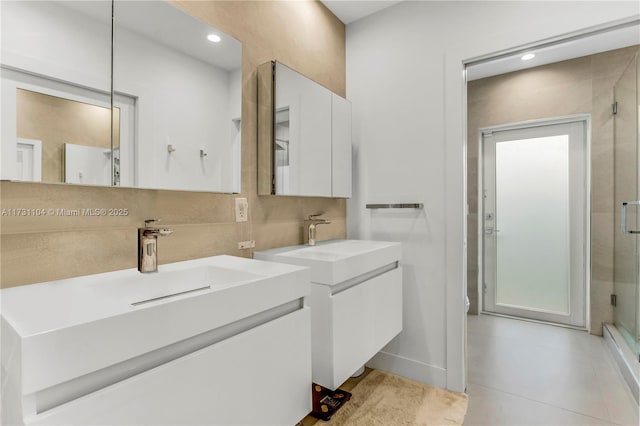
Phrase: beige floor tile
{"type": "Point", "coordinates": [523, 372]}
{"type": "Point", "coordinates": [492, 407]}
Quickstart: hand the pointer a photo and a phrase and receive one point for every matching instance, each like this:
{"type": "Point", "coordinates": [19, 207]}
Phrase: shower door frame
{"type": "Point", "coordinates": [627, 202]}
{"type": "Point", "coordinates": [575, 118]}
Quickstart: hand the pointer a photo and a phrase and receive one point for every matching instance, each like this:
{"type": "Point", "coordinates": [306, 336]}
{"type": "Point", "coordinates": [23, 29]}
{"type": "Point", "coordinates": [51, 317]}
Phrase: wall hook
{"type": "Point", "coordinates": [170, 148]}
{"type": "Point", "coordinates": [202, 153]}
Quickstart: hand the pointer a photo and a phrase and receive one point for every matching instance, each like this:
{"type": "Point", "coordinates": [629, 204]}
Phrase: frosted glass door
{"type": "Point", "coordinates": [534, 223]}
{"type": "Point", "coordinates": [532, 212]}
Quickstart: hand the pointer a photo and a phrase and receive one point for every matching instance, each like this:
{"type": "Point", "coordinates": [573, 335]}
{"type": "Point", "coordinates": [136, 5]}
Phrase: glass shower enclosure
{"type": "Point", "coordinates": [626, 298]}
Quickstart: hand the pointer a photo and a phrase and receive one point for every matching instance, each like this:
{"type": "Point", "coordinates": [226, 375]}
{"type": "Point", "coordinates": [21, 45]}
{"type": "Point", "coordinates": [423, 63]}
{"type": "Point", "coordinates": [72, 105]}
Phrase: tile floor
{"type": "Point", "coordinates": [525, 373]}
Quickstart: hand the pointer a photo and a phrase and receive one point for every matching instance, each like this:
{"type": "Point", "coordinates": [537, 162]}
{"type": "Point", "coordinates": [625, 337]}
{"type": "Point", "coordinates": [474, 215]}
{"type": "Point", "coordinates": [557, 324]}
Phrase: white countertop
{"type": "Point", "coordinates": [335, 261]}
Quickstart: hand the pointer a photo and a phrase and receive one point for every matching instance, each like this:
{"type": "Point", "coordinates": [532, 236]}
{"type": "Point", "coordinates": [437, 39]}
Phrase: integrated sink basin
{"type": "Point", "coordinates": [356, 302]}
{"type": "Point", "coordinates": [44, 307]}
{"type": "Point", "coordinates": [172, 347]}
{"type": "Point", "coordinates": [335, 261]}
{"type": "Point", "coordinates": [148, 288]}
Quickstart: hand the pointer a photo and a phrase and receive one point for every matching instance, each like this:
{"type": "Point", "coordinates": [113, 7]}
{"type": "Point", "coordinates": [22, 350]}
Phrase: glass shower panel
{"type": "Point", "coordinates": [626, 314]}
{"type": "Point", "coordinates": [532, 218]}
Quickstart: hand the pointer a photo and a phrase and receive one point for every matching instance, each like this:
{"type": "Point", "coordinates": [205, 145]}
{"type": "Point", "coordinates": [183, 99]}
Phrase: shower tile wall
{"type": "Point", "coordinates": [34, 249]}
{"type": "Point", "coordinates": [581, 85]}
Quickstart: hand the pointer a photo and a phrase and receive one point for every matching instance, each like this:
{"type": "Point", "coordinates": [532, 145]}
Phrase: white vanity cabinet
{"type": "Point", "coordinates": [229, 347]}
{"type": "Point", "coordinates": [356, 302]}
{"type": "Point", "coordinates": [350, 326]}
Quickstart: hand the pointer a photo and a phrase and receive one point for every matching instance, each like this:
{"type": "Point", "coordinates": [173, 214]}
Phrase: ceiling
{"type": "Point", "coordinates": [624, 35]}
{"type": "Point", "coordinates": [597, 42]}
{"type": "Point", "coordinates": [352, 10]}
{"type": "Point", "coordinates": [165, 24]}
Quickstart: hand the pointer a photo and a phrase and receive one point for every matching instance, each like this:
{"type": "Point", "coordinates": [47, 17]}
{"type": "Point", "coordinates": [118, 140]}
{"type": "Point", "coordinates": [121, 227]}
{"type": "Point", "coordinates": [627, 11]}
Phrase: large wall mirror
{"type": "Point", "coordinates": [161, 112]}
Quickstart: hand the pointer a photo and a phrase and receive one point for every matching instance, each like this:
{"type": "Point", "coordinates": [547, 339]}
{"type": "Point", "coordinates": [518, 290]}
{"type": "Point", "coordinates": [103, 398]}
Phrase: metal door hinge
{"type": "Point", "coordinates": [614, 300]}
{"type": "Point", "coordinates": [484, 287]}
{"type": "Point", "coordinates": [614, 108]}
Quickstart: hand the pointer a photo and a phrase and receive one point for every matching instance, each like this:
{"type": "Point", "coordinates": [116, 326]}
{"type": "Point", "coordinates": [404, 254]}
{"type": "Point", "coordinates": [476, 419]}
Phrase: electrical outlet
{"type": "Point", "coordinates": [246, 244]}
{"type": "Point", "coordinates": [242, 209]}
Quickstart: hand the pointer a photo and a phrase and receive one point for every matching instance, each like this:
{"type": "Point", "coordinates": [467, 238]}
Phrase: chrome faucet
{"type": "Point", "coordinates": [148, 245]}
{"type": "Point", "coordinates": [310, 225]}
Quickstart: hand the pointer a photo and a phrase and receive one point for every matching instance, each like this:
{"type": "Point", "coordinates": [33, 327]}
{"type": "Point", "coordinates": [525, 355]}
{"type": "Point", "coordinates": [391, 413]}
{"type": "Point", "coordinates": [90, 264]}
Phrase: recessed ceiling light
{"type": "Point", "coordinates": [214, 38]}
{"type": "Point", "coordinates": [528, 56]}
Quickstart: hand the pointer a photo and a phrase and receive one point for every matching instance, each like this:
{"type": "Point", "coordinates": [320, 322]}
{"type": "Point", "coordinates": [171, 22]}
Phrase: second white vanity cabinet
{"type": "Point", "coordinates": [355, 301]}
{"type": "Point", "coordinates": [349, 326]}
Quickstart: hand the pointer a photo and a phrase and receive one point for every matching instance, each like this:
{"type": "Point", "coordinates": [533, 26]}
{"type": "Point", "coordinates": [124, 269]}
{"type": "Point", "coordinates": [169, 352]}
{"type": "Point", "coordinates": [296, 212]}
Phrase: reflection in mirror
{"type": "Point", "coordinates": [186, 93]}
{"type": "Point", "coordinates": [282, 151]}
{"type": "Point", "coordinates": [29, 160]}
{"type": "Point", "coordinates": [55, 84]}
{"type": "Point", "coordinates": [60, 124]}
{"type": "Point", "coordinates": [177, 96]}
{"type": "Point", "coordinates": [302, 138]}
{"type": "Point", "coordinates": [87, 165]}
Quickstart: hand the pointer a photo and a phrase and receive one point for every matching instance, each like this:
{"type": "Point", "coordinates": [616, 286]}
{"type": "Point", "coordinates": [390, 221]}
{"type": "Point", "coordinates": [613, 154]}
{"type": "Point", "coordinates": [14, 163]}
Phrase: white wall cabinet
{"type": "Point", "coordinates": [340, 147]}
{"type": "Point", "coordinates": [304, 136]}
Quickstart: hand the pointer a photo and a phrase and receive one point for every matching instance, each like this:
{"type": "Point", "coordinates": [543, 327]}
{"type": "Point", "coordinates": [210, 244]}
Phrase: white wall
{"type": "Point", "coordinates": [235, 113]}
{"type": "Point", "coordinates": [183, 102]}
{"type": "Point", "coordinates": [33, 40]}
{"type": "Point", "coordinates": [61, 43]}
{"type": "Point", "coordinates": [88, 165]}
{"type": "Point", "coordinates": [405, 79]}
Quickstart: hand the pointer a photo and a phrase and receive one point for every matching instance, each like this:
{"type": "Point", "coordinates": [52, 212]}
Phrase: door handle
{"type": "Point", "coordinates": [623, 223]}
{"type": "Point", "coordinates": [491, 231]}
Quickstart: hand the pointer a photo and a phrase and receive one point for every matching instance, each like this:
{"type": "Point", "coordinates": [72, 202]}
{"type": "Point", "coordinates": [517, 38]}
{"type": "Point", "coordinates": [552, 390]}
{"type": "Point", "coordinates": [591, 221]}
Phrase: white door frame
{"type": "Point", "coordinates": [584, 118]}
{"type": "Point", "coordinates": [457, 207]}
{"type": "Point", "coordinates": [36, 165]}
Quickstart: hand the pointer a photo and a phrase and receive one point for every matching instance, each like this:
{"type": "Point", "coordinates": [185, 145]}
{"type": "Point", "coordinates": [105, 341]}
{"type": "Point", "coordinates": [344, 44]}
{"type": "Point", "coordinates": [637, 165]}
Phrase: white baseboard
{"type": "Point", "coordinates": [409, 368]}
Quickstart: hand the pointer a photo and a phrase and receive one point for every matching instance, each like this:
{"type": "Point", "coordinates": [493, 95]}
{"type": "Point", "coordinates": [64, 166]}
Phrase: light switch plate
{"type": "Point", "coordinates": [242, 209]}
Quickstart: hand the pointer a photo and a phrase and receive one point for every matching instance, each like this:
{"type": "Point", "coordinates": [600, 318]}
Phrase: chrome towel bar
{"type": "Point", "coordinates": [395, 206]}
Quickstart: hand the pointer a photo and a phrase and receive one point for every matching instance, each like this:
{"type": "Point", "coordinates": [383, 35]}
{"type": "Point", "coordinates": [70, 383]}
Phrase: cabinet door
{"type": "Point", "coordinates": [341, 147]}
{"type": "Point", "coordinates": [302, 135]}
{"type": "Point", "coordinates": [364, 319]}
{"type": "Point", "coordinates": [261, 376]}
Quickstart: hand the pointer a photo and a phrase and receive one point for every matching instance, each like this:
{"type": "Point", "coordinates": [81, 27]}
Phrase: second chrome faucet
{"type": "Point", "coordinates": [310, 227]}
